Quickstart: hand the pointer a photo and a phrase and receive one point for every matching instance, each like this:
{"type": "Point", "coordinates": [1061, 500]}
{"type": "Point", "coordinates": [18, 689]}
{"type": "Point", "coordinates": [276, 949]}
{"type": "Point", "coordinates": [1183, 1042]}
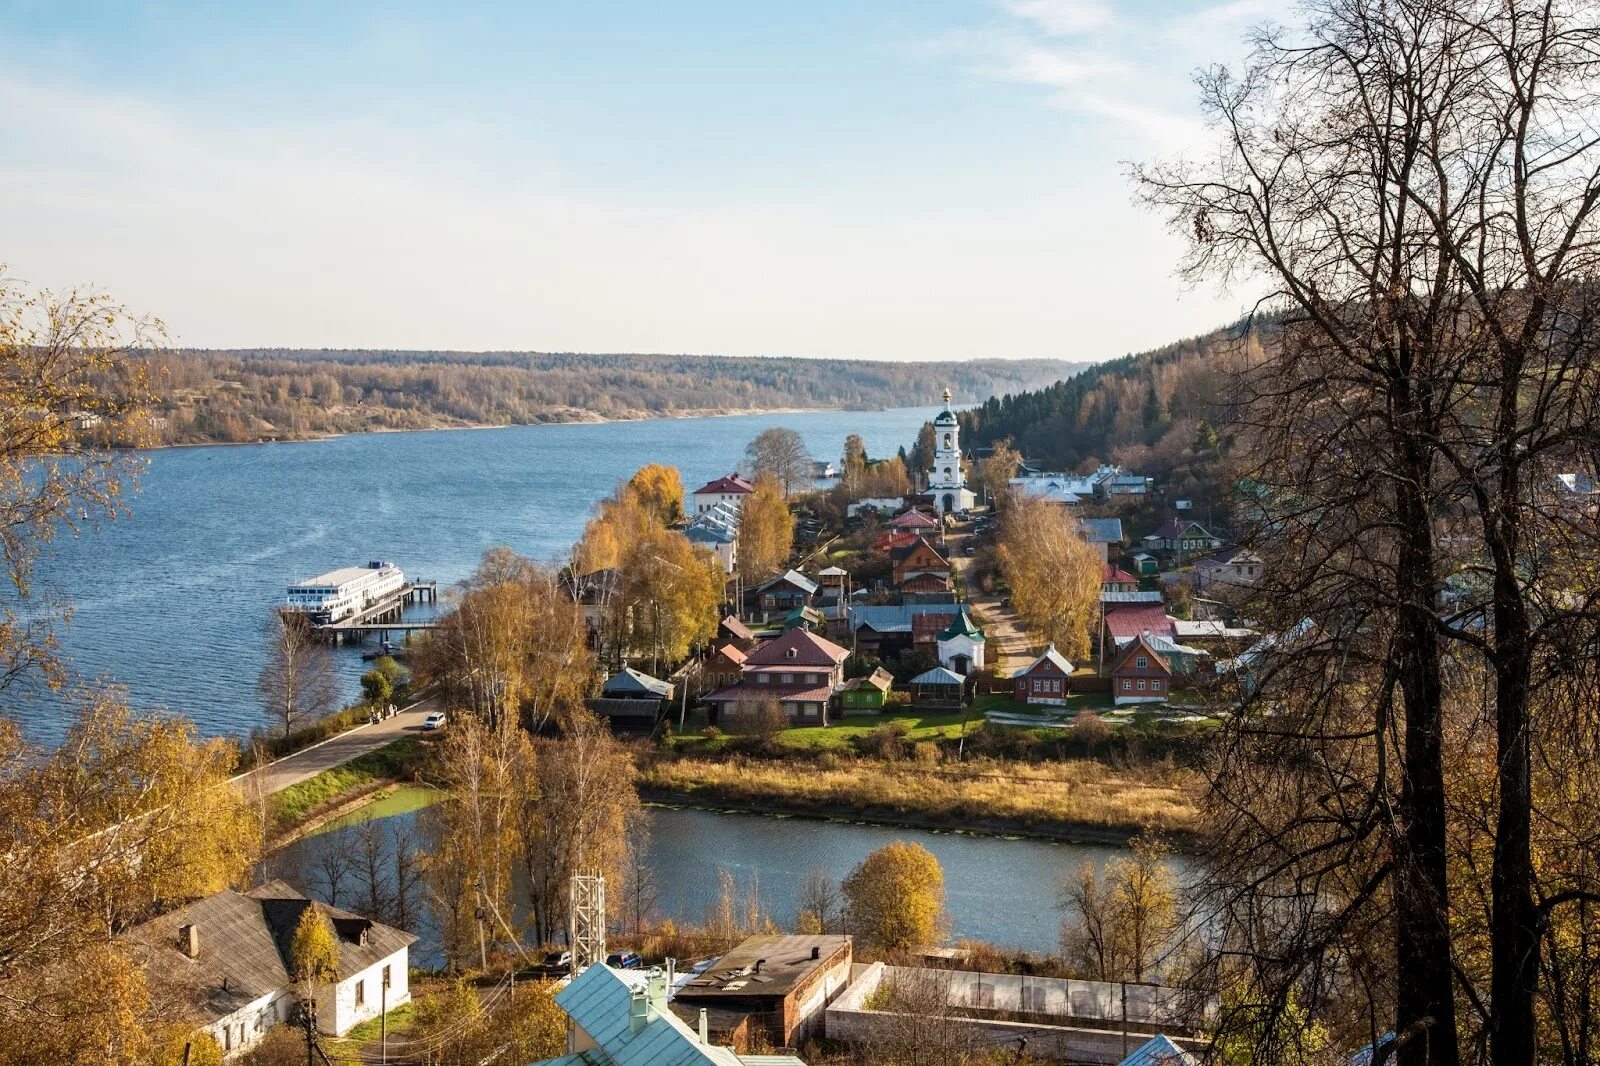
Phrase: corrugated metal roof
{"type": "Point", "coordinates": [598, 1002]}
{"type": "Point", "coordinates": [1101, 530]}
{"type": "Point", "coordinates": [939, 676]}
{"type": "Point", "coordinates": [1159, 1051]}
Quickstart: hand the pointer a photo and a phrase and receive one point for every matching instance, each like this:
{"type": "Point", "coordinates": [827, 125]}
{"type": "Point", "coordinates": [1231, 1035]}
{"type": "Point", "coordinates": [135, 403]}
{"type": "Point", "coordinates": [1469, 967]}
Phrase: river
{"type": "Point", "coordinates": [172, 601]}
{"type": "Point", "coordinates": [1000, 891]}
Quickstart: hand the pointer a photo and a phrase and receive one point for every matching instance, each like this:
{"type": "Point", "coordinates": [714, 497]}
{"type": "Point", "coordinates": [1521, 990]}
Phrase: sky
{"type": "Point", "coordinates": [881, 179]}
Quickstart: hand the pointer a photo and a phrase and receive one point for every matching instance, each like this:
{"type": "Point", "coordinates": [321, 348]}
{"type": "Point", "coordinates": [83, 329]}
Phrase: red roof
{"type": "Point", "coordinates": [1115, 575]}
{"type": "Point", "coordinates": [1127, 622]}
{"type": "Point", "coordinates": [755, 693]}
{"type": "Point", "coordinates": [809, 650]}
{"type": "Point", "coordinates": [925, 628]}
{"type": "Point", "coordinates": [733, 484]}
{"type": "Point", "coordinates": [1140, 646]}
{"type": "Point", "coordinates": [888, 542]}
{"type": "Point", "coordinates": [925, 583]}
{"type": "Point", "coordinates": [914, 519]}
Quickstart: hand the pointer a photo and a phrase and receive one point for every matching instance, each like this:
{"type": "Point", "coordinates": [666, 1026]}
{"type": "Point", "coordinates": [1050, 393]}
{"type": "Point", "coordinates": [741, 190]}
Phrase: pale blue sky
{"type": "Point", "coordinates": [907, 179]}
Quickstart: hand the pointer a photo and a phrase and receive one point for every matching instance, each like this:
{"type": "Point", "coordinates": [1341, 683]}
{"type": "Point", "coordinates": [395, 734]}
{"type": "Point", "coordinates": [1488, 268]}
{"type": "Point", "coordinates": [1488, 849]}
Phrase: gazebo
{"type": "Point", "coordinates": [938, 689]}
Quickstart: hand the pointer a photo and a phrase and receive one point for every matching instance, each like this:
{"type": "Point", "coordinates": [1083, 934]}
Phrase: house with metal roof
{"type": "Point", "coordinates": [866, 693]}
{"type": "Point", "coordinates": [1101, 533]}
{"type": "Point", "coordinates": [730, 489]}
{"type": "Point", "coordinates": [938, 689]}
{"type": "Point", "coordinates": [230, 953]}
{"type": "Point", "coordinates": [621, 1018]}
{"type": "Point", "coordinates": [800, 671]}
{"type": "Point", "coordinates": [778, 596]}
{"type": "Point", "coordinates": [1048, 679]}
{"type": "Point", "coordinates": [961, 645]}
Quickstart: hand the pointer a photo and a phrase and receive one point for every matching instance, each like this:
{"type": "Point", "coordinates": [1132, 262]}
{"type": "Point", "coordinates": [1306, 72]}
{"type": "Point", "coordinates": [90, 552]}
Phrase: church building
{"type": "Point", "coordinates": [947, 485]}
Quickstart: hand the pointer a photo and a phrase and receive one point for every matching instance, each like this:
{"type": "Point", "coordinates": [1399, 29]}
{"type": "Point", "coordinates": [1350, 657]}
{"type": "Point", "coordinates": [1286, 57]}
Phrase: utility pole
{"type": "Point", "coordinates": [586, 920]}
{"type": "Point", "coordinates": [483, 950]}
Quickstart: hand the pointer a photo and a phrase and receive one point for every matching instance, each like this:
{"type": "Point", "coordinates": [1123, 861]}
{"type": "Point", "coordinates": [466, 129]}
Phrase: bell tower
{"type": "Point", "coordinates": [946, 483]}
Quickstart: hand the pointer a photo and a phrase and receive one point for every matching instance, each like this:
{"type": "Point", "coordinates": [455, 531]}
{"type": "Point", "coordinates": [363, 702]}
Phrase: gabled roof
{"type": "Point", "coordinates": [1101, 530]}
{"type": "Point", "coordinates": [963, 626]}
{"type": "Point", "coordinates": [1141, 644]}
{"type": "Point", "coordinates": [733, 653]}
{"type": "Point", "coordinates": [834, 571]}
{"type": "Point", "coordinates": [880, 679]}
{"type": "Point", "coordinates": [925, 582]}
{"type": "Point", "coordinates": [905, 551]}
{"type": "Point", "coordinates": [598, 1001]}
{"type": "Point", "coordinates": [1174, 528]}
{"type": "Point", "coordinates": [1159, 1051]}
{"type": "Point", "coordinates": [710, 534]}
{"type": "Point", "coordinates": [1112, 574]}
{"type": "Point", "coordinates": [809, 650]}
{"type": "Point", "coordinates": [1128, 621]}
{"type": "Point", "coordinates": [892, 618]}
{"type": "Point", "coordinates": [245, 940]}
{"type": "Point", "coordinates": [728, 484]}
{"type": "Point", "coordinates": [791, 577]}
{"type": "Point", "coordinates": [736, 629]}
{"type": "Point", "coordinates": [914, 519]}
{"type": "Point", "coordinates": [1051, 657]}
{"type": "Point", "coordinates": [939, 676]}
{"type": "Point", "coordinates": [631, 681]}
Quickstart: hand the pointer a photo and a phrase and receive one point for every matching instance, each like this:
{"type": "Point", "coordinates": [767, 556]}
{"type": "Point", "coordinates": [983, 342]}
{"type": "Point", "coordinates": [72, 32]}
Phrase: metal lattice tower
{"type": "Point", "coordinates": [586, 920]}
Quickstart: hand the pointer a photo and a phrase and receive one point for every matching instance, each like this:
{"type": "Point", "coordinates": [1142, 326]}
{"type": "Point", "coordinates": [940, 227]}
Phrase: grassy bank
{"type": "Point", "coordinates": [393, 762]}
{"type": "Point", "coordinates": [1067, 798]}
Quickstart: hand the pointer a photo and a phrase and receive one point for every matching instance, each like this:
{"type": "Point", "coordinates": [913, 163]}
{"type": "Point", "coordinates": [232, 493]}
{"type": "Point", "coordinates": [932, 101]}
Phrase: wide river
{"type": "Point", "coordinates": [172, 602]}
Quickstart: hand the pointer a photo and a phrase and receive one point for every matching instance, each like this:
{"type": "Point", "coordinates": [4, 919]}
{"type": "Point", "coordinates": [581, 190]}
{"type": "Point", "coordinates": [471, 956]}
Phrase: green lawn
{"type": "Point", "coordinates": [390, 761]}
{"type": "Point", "coordinates": [923, 726]}
{"type": "Point", "coordinates": [1075, 702]}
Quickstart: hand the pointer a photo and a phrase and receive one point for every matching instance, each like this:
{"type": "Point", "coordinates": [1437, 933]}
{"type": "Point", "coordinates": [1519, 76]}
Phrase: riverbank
{"type": "Point", "coordinates": [1075, 800]}
{"type": "Point", "coordinates": [299, 808]}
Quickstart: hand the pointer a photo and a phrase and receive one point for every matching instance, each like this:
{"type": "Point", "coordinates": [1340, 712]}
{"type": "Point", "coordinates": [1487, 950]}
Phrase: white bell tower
{"type": "Point", "coordinates": [946, 483]}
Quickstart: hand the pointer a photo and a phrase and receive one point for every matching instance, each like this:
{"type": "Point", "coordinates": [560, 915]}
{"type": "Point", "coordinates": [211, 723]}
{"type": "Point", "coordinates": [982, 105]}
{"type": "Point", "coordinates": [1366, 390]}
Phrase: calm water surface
{"type": "Point", "coordinates": [999, 890]}
{"type": "Point", "coordinates": [172, 601]}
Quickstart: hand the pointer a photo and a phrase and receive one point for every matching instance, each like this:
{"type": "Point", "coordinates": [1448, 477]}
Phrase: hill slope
{"type": "Point", "coordinates": [245, 395]}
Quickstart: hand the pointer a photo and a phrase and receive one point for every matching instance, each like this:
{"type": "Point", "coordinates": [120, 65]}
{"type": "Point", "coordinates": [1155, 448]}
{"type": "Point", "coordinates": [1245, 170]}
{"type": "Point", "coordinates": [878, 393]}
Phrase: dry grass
{"type": "Point", "coordinates": [1054, 796]}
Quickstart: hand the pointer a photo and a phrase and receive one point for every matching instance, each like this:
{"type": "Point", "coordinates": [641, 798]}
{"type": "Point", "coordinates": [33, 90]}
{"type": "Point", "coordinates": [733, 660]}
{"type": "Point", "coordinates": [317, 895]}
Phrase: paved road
{"type": "Point", "coordinates": [1001, 628]}
{"type": "Point", "coordinates": [307, 763]}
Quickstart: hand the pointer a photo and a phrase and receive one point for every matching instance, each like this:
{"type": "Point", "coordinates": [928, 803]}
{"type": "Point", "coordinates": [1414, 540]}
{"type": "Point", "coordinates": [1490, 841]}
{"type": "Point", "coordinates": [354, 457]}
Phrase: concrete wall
{"type": "Point", "coordinates": [849, 1020]}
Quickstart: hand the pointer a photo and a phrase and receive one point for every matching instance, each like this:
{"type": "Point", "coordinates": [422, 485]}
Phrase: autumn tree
{"type": "Point", "coordinates": [576, 819]}
{"type": "Point", "coordinates": [886, 479]}
{"type": "Point", "coordinates": [314, 951]}
{"type": "Point", "coordinates": [297, 682]}
{"type": "Point", "coordinates": [1120, 920]}
{"type": "Point", "coordinates": [853, 466]}
{"type": "Point", "coordinates": [996, 471]}
{"type": "Point", "coordinates": [672, 592]}
{"type": "Point", "coordinates": [766, 531]}
{"type": "Point", "coordinates": [920, 461]}
{"type": "Point", "coordinates": [781, 453]}
{"type": "Point", "coordinates": [1053, 573]}
{"type": "Point", "coordinates": [660, 489]}
{"type": "Point", "coordinates": [818, 903]}
{"type": "Point", "coordinates": [514, 641]}
{"type": "Point", "coordinates": [895, 899]}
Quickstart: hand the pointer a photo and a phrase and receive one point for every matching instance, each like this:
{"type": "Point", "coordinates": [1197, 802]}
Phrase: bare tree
{"type": "Point", "coordinates": [819, 905]}
{"type": "Point", "coordinates": [332, 864]}
{"type": "Point", "coordinates": [1417, 181]}
{"type": "Point", "coordinates": [297, 684]}
{"type": "Point", "coordinates": [372, 870]}
{"type": "Point", "coordinates": [782, 453]}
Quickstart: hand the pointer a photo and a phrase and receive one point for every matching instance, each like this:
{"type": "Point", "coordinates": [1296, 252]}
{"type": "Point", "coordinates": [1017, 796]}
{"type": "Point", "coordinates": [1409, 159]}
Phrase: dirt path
{"type": "Point", "coordinates": [1003, 630]}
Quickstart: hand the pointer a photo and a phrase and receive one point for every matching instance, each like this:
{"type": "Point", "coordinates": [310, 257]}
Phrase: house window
{"type": "Point", "coordinates": [1142, 662]}
{"type": "Point", "coordinates": [1155, 684]}
{"type": "Point", "coordinates": [361, 993]}
{"type": "Point", "coordinates": [1141, 684]}
{"type": "Point", "coordinates": [1127, 686]}
{"type": "Point", "coordinates": [227, 1038]}
{"type": "Point", "coordinates": [764, 678]}
{"type": "Point", "coordinates": [788, 679]}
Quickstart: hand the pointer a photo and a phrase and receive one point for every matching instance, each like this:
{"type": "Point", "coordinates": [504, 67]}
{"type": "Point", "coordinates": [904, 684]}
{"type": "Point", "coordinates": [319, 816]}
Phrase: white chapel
{"type": "Point", "coordinates": [947, 486]}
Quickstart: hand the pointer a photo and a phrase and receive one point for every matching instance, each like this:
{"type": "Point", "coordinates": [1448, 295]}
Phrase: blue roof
{"type": "Point", "coordinates": [892, 618]}
{"type": "Point", "coordinates": [1101, 530]}
{"type": "Point", "coordinates": [598, 1002]}
{"type": "Point", "coordinates": [939, 676]}
{"type": "Point", "coordinates": [1159, 1051]}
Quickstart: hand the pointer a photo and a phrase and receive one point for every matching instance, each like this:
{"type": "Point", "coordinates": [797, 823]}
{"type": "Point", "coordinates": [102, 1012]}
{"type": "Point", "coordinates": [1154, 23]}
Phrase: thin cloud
{"type": "Point", "coordinates": [1061, 18]}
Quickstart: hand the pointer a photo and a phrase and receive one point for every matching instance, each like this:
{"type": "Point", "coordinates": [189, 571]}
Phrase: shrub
{"type": "Point", "coordinates": [711, 732]}
{"type": "Point", "coordinates": [886, 741]}
{"type": "Point", "coordinates": [763, 722]}
{"type": "Point", "coordinates": [1089, 729]}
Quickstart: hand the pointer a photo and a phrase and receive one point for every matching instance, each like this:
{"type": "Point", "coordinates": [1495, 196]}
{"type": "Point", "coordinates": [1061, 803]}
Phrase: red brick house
{"type": "Point", "coordinates": [724, 668]}
{"type": "Point", "coordinates": [1045, 680]}
{"type": "Point", "coordinates": [1141, 674]}
{"type": "Point", "coordinates": [1124, 622]}
{"type": "Point", "coordinates": [1115, 579]}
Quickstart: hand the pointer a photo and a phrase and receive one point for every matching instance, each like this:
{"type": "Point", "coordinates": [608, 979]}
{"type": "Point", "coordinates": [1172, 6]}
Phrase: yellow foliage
{"type": "Point", "coordinates": [1053, 573]}
{"type": "Point", "coordinates": [895, 898]}
{"type": "Point", "coordinates": [766, 530]}
{"type": "Point", "coordinates": [314, 954]}
{"type": "Point", "coordinates": [660, 489]}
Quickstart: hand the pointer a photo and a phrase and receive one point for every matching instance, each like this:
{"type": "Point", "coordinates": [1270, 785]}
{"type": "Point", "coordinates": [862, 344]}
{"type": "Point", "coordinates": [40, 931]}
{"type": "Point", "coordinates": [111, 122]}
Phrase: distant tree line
{"type": "Point", "coordinates": [264, 394]}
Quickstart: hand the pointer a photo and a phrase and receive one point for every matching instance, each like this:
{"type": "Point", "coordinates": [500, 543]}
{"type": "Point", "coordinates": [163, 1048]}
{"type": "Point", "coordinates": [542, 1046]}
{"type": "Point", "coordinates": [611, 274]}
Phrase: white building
{"type": "Point", "coordinates": [231, 951]}
{"type": "Point", "coordinates": [961, 646]}
{"type": "Point", "coordinates": [947, 485]}
{"type": "Point", "coordinates": [717, 530]}
{"type": "Point", "coordinates": [346, 591]}
{"type": "Point", "coordinates": [730, 489]}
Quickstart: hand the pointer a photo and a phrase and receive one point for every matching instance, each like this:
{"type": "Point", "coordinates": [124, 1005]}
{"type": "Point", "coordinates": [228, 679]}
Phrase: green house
{"type": "Point", "coordinates": [866, 693]}
{"type": "Point", "coordinates": [803, 618]}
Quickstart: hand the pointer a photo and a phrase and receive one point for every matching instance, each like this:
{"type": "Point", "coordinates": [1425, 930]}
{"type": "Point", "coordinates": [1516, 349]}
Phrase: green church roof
{"type": "Point", "coordinates": [963, 626]}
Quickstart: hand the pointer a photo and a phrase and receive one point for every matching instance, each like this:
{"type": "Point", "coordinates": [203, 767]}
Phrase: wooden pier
{"type": "Point", "coordinates": [386, 617]}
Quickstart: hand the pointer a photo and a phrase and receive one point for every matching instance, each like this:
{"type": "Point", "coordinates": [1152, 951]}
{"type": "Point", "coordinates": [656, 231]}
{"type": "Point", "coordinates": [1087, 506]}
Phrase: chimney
{"type": "Point", "coordinates": [189, 940]}
{"type": "Point", "coordinates": [816, 952]}
{"type": "Point", "coordinates": [638, 1010]}
{"type": "Point", "coordinates": [705, 1028]}
{"type": "Point", "coordinates": [759, 964]}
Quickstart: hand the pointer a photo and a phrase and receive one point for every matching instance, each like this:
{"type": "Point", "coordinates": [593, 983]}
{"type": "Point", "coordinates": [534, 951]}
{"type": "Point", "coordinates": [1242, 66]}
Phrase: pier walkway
{"type": "Point", "coordinates": [385, 617]}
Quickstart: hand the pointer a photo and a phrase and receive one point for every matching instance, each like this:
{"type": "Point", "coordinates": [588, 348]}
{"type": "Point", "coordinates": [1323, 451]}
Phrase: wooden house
{"type": "Point", "coordinates": [732, 631]}
{"type": "Point", "coordinates": [724, 668]}
{"type": "Point", "coordinates": [800, 671]}
{"type": "Point", "coordinates": [862, 694]}
{"type": "Point", "coordinates": [1048, 679]}
{"type": "Point", "coordinates": [782, 594]}
{"type": "Point", "coordinates": [1141, 674]}
{"type": "Point", "coordinates": [919, 559]}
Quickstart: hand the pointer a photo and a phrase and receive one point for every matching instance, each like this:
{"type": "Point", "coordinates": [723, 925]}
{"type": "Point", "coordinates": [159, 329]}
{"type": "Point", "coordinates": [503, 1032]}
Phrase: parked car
{"type": "Point", "coordinates": [434, 720]}
{"type": "Point", "coordinates": [969, 550]}
{"type": "Point", "coordinates": [557, 963]}
{"type": "Point", "coordinates": [624, 960]}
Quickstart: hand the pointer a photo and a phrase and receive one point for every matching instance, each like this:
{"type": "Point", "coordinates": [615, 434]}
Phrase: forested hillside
{"type": "Point", "coordinates": [1159, 413]}
{"type": "Point", "coordinates": [265, 394]}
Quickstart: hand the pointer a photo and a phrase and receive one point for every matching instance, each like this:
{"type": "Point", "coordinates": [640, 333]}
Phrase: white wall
{"type": "Point", "coordinates": [251, 1022]}
{"type": "Point", "coordinates": [337, 1012]}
